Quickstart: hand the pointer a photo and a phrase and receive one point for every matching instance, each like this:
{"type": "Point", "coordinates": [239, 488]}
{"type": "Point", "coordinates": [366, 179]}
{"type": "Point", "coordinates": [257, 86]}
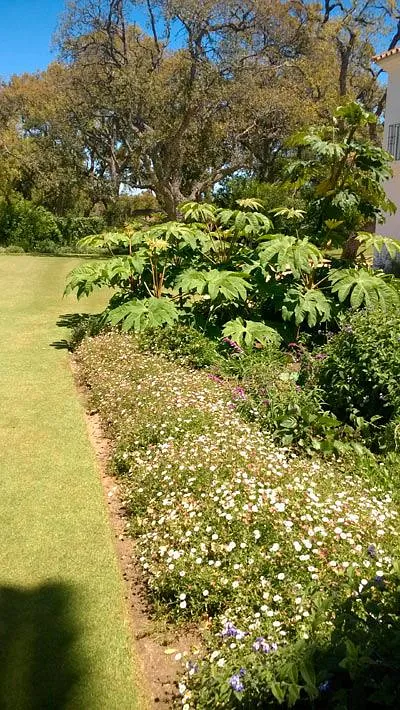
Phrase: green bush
{"type": "Point", "coordinates": [181, 342]}
{"type": "Point", "coordinates": [24, 224]}
{"type": "Point", "coordinates": [74, 228]}
{"type": "Point", "coordinates": [295, 416]}
{"type": "Point", "coordinates": [360, 375]}
{"type": "Point", "coordinates": [128, 208]}
{"type": "Point", "coordinates": [12, 249]}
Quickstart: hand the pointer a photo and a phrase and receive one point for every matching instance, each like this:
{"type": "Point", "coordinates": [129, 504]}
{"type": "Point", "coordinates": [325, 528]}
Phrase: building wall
{"type": "Point", "coordinates": [391, 64]}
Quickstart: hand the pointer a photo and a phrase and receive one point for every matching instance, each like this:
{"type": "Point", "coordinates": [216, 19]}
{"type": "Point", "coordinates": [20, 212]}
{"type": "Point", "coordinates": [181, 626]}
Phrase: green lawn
{"type": "Point", "coordinates": [64, 640]}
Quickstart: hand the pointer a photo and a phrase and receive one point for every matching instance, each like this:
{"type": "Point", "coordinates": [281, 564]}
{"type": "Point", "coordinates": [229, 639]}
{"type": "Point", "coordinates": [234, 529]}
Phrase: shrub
{"type": "Point", "coordinates": [12, 249]}
{"type": "Point", "coordinates": [293, 415]}
{"type": "Point", "coordinates": [129, 207]}
{"type": "Point", "coordinates": [181, 342]}
{"type": "Point", "coordinates": [74, 228]}
{"type": "Point", "coordinates": [24, 224]}
{"type": "Point", "coordinates": [360, 374]}
{"type": "Point", "coordinates": [264, 548]}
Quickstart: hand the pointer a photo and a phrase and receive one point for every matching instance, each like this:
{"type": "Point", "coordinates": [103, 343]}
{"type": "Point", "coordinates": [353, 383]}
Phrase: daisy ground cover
{"type": "Point", "coordinates": [257, 545]}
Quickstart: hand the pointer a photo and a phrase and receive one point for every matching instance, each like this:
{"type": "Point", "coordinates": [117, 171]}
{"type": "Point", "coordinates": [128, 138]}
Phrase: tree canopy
{"type": "Point", "coordinates": [173, 97]}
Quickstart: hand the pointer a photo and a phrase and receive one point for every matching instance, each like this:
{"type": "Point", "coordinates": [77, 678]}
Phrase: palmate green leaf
{"type": "Point", "coordinates": [110, 272]}
{"type": "Point", "coordinates": [198, 212]}
{"type": "Point", "coordinates": [371, 243]}
{"type": "Point", "coordinates": [230, 284]}
{"type": "Point", "coordinates": [249, 203]}
{"type": "Point", "coordinates": [284, 253]}
{"type": "Point", "coordinates": [249, 332]}
{"type": "Point", "coordinates": [247, 223]}
{"type": "Point", "coordinates": [310, 305]}
{"type": "Point", "coordinates": [322, 149]}
{"type": "Point", "coordinates": [105, 239]}
{"type": "Point", "coordinates": [364, 288]}
{"type": "Point", "coordinates": [145, 313]}
{"type": "Point", "coordinates": [169, 231]}
{"type": "Point", "coordinates": [355, 114]}
{"type": "Point", "coordinates": [288, 213]}
{"type": "Point", "coordinates": [120, 268]}
{"type": "Point", "coordinates": [86, 277]}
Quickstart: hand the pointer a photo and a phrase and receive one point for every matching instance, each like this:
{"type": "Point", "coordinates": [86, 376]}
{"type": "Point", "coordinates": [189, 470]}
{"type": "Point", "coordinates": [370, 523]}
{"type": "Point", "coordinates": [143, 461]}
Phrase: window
{"type": "Point", "coordinates": [393, 144]}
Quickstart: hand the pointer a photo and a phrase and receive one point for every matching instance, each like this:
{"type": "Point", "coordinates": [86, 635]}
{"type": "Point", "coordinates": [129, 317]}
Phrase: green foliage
{"type": "Point", "coordinates": [288, 254]}
{"type": "Point", "coordinates": [360, 375]}
{"type": "Point", "coordinates": [361, 663]}
{"type": "Point", "coordinates": [24, 224]}
{"type": "Point", "coordinates": [270, 195]}
{"type": "Point", "coordinates": [74, 228]}
{"type": "Point", "coordinates": [12, 249]}
{"type": "Point", "coordinates": [83, 325]}
{"type": "Point", "coordinates": [294, 416]}
{"type": "Point", "coordinates": [228, 284]}
{"type": "Point", "coordinates": [183, 343]}
{"type": "Point", "coordinates": [299, 588]}
{"type": "Point", "coordinates": [225, 267]}
{"type": "Point", "coordinates": [363, 287]}
{"type": "Point", "coordinates": [126, 208]}
{"type": "Point", "coordinates": [306, 305]}
{"type": "Point", "coordinates": [145, 313]}
{"type": "Point", "coordinates": [250, 333]}
{"type": "Point", "coordinates": [340, 175]}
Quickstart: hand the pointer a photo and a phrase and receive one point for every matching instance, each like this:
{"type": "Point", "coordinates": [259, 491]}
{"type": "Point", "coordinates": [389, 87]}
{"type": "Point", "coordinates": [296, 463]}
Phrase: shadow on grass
{"type": "Point", "coordinates": [61, 344]}
{"type": "Point", "coordinates": [70, 321]}
{"type": "Point", "coordinates": [39, 666]}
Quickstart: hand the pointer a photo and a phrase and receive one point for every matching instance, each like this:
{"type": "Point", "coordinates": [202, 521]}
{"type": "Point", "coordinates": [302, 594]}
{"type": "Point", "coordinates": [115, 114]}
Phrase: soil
{"type": "Point", "coordinates": [153, 640]}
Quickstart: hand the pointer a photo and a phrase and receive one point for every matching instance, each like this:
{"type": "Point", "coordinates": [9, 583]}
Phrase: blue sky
{"type": "Point", "coordinates": [26, 29]}
{"type": "Point", "coordinates": [26, 32]}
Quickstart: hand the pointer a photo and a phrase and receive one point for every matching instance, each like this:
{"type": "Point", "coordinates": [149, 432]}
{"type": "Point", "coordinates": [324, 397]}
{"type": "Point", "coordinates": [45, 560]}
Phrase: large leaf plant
{"type": "Point", "coordinates": [227, 272]}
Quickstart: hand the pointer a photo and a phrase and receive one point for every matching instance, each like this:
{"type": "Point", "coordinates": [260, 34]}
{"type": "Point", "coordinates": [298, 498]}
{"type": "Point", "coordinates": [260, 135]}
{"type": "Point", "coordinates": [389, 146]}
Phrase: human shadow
{"type": "Point", "coordinates": [39, 662]}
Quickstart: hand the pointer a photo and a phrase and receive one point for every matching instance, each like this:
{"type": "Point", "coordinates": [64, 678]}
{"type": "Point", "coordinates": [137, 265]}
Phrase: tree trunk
{"type": "Point", "coordinates": [350, 248]}
{"type": "Point", "coordinates": [169, 197]}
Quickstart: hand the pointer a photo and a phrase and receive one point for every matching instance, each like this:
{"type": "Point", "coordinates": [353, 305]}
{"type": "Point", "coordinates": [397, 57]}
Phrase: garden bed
{"type": "Point", "coordinates": [264, 550]}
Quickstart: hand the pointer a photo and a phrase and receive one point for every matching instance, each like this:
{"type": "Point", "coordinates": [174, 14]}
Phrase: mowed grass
{"type": "Point", "coordinates": [64, 636]}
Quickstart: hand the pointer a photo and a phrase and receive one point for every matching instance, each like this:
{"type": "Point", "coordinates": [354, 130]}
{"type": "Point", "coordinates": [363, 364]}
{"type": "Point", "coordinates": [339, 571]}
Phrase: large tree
{"type": "Point", "coordinates": [174, 96]}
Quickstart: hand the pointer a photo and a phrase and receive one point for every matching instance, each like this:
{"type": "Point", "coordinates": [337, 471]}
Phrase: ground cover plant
{"type": "Point", "coordinates": [287, 564]}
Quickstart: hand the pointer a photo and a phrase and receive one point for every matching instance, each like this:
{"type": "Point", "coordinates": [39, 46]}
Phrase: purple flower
{"type": "Point", "coordinates": [233, 344]}
{"type": "Point", "coordinates": [215, 378]}
{"type": "Point", "coordinates": [236, 683]}
{"type": "Point", "coordinates": [230, 630]}
{"type": "Point", "coordinates": [372, 551]}
{"type": "Point", "coordinates": [239, 393]}
{"type": "Point", "coordinates": [260, 644]}
{"type": "Point", "coordinates": [320, 356]}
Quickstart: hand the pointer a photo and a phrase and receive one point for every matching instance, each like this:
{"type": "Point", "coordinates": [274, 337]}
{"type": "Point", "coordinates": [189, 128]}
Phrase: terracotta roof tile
{"type": "Point", "coordinates": [388, 53]}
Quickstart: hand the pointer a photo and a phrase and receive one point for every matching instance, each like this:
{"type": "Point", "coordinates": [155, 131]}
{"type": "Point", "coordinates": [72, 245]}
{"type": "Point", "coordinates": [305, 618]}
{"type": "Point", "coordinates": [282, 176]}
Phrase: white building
{"type": "Point", "coordinates": [390, 62]}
